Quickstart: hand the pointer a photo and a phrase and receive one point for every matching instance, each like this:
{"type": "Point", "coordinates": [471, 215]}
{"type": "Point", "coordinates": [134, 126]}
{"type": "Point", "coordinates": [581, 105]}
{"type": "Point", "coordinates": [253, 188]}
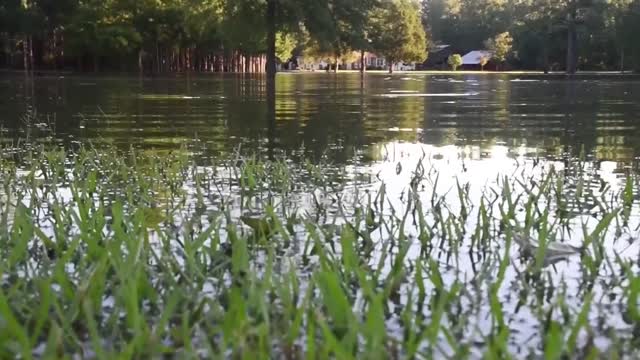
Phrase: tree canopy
{"type": "Point", "coordinates": [397, 32]}
{"type": "Point", "coordinates": [500, 46]}
{"type": "Point", "coordinates": [233, 35]}
{"type": "Point", "coordinates": [547, 34]}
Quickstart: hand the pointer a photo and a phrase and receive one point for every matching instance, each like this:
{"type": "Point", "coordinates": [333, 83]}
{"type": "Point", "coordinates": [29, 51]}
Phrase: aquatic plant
{"type": "Point", "coordinates": [111, 254]}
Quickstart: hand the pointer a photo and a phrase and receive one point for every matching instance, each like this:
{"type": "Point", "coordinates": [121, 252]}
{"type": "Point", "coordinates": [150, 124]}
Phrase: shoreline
{"type": "Point", "coordinates": [46, 73]}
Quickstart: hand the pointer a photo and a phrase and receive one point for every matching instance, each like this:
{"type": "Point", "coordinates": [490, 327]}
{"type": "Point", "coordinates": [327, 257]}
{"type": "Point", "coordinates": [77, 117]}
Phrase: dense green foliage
{"type": "Point", "coordinates": [455, 61]}
{"type": "Point", "coordinates": [178, 35]}
{"type": "Point", "coordinates": [397, 33]}
{"type": "Point", "coordinates": [500, 46]}
{"type": "Point", "coordinates": [547, 34]}
{"type": "Point", "coordinates": [226, 35]}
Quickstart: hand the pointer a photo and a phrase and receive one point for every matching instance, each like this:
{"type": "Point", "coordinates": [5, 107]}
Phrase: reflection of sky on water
{"type": "Point", "coordinates": [483, 170]}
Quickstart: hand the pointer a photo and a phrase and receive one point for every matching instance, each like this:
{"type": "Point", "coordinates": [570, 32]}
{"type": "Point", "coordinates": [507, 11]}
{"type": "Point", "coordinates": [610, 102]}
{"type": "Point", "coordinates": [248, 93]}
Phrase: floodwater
{"type": "Point", "coordinates": [336, 114]}
{"type": "Point", "coordinates": [455, 142]}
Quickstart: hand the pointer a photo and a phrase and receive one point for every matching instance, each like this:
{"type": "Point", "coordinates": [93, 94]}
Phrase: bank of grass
{"type": "Point", "coordinates": [108, 254]}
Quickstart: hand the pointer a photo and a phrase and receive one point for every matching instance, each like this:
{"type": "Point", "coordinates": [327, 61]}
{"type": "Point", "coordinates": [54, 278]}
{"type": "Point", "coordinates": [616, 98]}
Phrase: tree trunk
{"type": "Point", "coordinates": [547, 40]}
{"type": "Point", "coordinates": [271, 47]}
{"type": "Point", "coordinates": [572, 39]}
{"type": "Point", "coordinates": [362, 62]}
{"type": "Point", "coordinates": [545, 65]}
{"type": "Point", "coordinates": [157, 57]}
{"type": "Point", "coordinates": [390, 67]}
{"type": "Point", "coordinates": [25, 53]}
{"type": "Point", "coordinates": [31, 62]}
{"type": "Point", "coordinates": [271, 74]}
{"type": "Point", "coordinates": [622, 60]}
{"type": "Point", "coordinates": [335, 70]}
{"type": "Point", "coordinates": [96, 63]}
{"type": "Point", "coordinates": [140, 61]}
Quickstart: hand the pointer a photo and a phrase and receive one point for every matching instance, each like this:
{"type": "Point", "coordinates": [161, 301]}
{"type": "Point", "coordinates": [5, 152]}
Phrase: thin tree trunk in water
{"type": "Point", "coordinates": [189, 59]}
{"type": "Point", "coordinates": [362, 63]}
{"type": "Point", "coordinates": [335, 70]}
{"type": "Point", "coordinates": [572, 39]}
{"type": "Point", "coordinates": [7, 53]}
{"type": "Point", "coordinates": [271, 74]}
{"type": "Point", "coordinates": [271, 46]}
{"type": "Point", "coordinates": [140, 61]}
{"type": "Point", "coordinates": [390, 67]}
{"type": "Point", "coordinates": [96, 63]}
{"type": "Point", "coordinates": [31, 62]}
{"type": "Point", "coordinates": [622, 60]}
{"type": "Point", "coordinates": [25, 54]}
{"type": "Point", "coordinates": [545, 65]}
{"type": "Point", "coordinates": [157, 57]}
{"type": "Point", "coordinates": [547, 40]}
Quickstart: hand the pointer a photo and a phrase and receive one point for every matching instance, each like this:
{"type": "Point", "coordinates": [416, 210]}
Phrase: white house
{"type": "Point", "coordinates": [473, 58]}
{"type": "Point", "coordinates": [372, 61]}
{"type": "Point", "coordinates": [311, 66]}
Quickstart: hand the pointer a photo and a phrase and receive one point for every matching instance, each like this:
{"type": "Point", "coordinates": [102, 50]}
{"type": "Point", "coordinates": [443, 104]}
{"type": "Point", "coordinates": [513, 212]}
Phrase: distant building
{"type": "Point", "coordinates": [438, 57]}
{"type": "Point", "coordinates": [302, 64]}
{"type": "Point", "coordinates": [375, 62]}
{"type": "Point", "coordinates": [372, 62]}
{"type": "Point", "coordinates": [473, 60]}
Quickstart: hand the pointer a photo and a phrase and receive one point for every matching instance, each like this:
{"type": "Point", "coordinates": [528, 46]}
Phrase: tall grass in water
{"type": "Point", "coordinates": [108, 254]}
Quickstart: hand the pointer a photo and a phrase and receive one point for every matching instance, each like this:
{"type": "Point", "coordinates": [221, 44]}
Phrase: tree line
{"type": "Point", "coordinates": [253, 35]}
{"type": "Point", "coordinates": [201, 35]}
{"type": "Point", "coordinates": [542, 34]}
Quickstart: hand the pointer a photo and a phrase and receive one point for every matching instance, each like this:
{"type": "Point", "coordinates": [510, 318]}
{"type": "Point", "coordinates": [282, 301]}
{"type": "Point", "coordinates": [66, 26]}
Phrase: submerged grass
{"type": "Point", "coordinates": [109, 254]}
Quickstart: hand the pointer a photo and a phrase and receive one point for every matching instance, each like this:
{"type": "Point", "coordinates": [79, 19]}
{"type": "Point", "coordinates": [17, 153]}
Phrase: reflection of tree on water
{"type": "Point", "coordinates": [343, 112]}
{"type": "Point", "coordinates": [472, 113]}
{"type": "Point", "coordinates": [271, 117]}
{"type": "Point", "coordinates": [556, 116]}
{"type": "Point", "coordinates": [586, 124]}
{"type": "Point", "coordinates": [331, 118]}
